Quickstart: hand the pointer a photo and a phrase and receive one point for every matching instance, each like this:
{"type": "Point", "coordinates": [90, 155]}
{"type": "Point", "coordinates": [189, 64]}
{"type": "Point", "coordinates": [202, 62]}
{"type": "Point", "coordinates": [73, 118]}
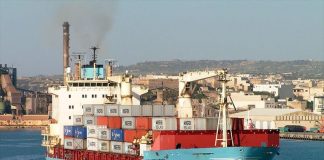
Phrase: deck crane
{"type": "Point", "coordinates": [186, 88]}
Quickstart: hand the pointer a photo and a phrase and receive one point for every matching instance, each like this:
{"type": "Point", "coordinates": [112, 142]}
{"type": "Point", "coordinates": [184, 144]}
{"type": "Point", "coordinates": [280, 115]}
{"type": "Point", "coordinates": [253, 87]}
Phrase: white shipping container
{"type": "Point", "coordinates": [92, 130]}
{"type": "Point", "coordinates": [104, 146]}
{"type": "Point", "coordinates": [77, 120]}
{"type": "Point", "coordinates": [112, 109]}
{"type": "Point", "coordinates": [88, 109]}
{"type": "Point", "coordinates": [136, 110]}
{"type": "Point", "coordinates": [89, 120]}
{"type": "Point", "coordinates": [99, 110]}
{"type": "Point", "coordinates": [128, 122]}
{"type": "Point", "coordinates": [211, 123]}
{"type": "Point", "coordinates": [164, 123]}
{"type": "Point", "coordinates": [74, 143]}
{"type": "Point", "coordinates": [116, 147]}
{"type": "Point", "coordinates": [187, 124]}
{"type": "Point", "coordinates": [125, 110]}
{"type": "Point", "coordinates": [200, 123]}
{"type": "Point", "coordinates": [128, 148]}
{"type": "Point", "coordinates": [169, 110]}
{"type": "Point", "coordinates": [104, 133]}
{"type": "Point", "coordinates": [158, 110]}
{"type": "Point", "coordinates": [147, 110]}
{"type": "Point", "coordinates": [92, 144]}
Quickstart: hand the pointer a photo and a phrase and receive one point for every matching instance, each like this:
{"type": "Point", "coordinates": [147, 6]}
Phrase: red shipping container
{"type": "Point", "coordinates": [140, 133]}
{"type": "Point", "coordinates": [143, 123]}
{"type": "Point", "coordinates": [102, 120]}
{"type": "Point", "coordinates": [130, 135]}
{"type": "Point", "coordinates": [115, 122]}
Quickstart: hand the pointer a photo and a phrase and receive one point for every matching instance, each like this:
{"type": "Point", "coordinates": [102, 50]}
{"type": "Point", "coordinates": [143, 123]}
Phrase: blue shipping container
{"type": "Point", "coordinates": [80, 132]}
{"type": "Point", "coordinates": [69, 131]}
{"type": "Point", "coordinates": [117, 135]}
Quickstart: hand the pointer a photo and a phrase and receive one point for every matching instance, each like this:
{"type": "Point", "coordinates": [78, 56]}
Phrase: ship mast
{"type": "Point", "coordinates": [223, 109]}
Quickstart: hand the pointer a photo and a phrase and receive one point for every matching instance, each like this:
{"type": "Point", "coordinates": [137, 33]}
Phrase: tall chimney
{"type": "Point", "coordinates": [66, 47]}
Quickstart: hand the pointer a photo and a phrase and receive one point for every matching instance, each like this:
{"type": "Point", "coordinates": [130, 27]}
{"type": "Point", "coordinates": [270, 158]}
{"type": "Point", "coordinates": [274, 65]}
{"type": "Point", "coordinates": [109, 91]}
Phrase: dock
{"type": "Point", "coordinates": [302, 136]}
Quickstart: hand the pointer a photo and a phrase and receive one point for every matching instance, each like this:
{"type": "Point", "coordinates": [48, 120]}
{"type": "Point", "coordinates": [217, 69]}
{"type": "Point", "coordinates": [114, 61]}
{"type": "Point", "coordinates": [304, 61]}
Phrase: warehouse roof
{"type": "Point", "coordinates": [265, 112]}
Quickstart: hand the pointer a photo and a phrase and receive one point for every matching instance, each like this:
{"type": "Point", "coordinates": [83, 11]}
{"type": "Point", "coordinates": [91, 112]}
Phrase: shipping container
{"type": "Point", "coordinates": [130, 110]}
{"type": "Point", "coordinates": [117, 135]}
{"type": "Point", "coordinates": [80, 132]}
{"type": "Point", "coordinates": [158, 110]}
{"type": "Point", "coordinates": [74, 143]}
{"type": "Point", "coordinates": [128, 122]}
{"type": "Point", "coordinates": [116, 147]}
{"type": "Point", "coordinates": [130, 135]}
{"type": "Point", "coordinates": [164, 123]}
{"type": "Point", "coordinates": [129, 148]}
{"type": "Point", "coordinates": [89, 120]}
{"type": "Point", "coordinates": [136, 110]}
{"type": "Point", "coordinates": [92, 130]}
{"type": "Point", "coordinates": [112, 109]}
{"type": "Point", "coordinates": [114, 122]}
{"type": "Point", "coordinates": [211, 124]}
{"type": "Point", "coordinates": [104, 146]}
{"type": "Point", "coordinates": [200, 123]}
{"type": "Point", "coordinates": [143, 123]}
{"type": "Point", "coordinates": [92, 144]}
{"type": "Point", "coordinates": [125, 110]}
{"type": "Point", "coordinates": [77, 120]}
{"type": "Point", "coordinates": [169, 110]}
{"type": "Point", "coordinates": [102, 120]}
{"type": "Point", "coordinates": [147, 110]}
{"type": "Point", "coordinates": [88, 109]}
{"type": "Point", "coordinates": [104, 133]}
{"type": "Point", "coordinates": [69, 131]}
{"type": "Point", "coordinates": [207, 124]}
{"type": "Point", "coordinates": [99, 110]}
{"type": "Point", "coordinates": [187, 124]}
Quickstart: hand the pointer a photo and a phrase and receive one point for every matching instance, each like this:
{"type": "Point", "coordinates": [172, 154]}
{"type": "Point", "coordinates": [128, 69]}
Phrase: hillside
{"type": "Point", "coordinates": [295, 69]}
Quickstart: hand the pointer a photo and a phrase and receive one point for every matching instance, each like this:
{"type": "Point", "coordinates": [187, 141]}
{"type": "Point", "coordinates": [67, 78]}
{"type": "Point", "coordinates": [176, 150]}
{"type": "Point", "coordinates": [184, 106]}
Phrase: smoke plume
{"type": "Point", "coordinates": [90, 21]}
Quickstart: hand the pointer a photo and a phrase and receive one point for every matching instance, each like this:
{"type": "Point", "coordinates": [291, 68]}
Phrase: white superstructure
{"type": "Point", "coordinates": [67, 100]}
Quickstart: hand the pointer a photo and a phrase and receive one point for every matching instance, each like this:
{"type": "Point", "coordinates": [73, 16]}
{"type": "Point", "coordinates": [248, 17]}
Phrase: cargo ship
{"type": "Point", "coordinates": [99, 116]}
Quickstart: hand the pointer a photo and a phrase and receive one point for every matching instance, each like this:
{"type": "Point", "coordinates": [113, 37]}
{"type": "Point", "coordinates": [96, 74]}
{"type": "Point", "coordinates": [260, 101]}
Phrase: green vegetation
{"type": "Point", "coordinates": [289, 69]}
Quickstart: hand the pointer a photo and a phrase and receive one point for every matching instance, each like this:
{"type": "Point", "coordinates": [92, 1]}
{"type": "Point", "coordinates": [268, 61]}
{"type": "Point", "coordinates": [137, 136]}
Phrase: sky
{"type": "Point", "coordinates": [152, 30]}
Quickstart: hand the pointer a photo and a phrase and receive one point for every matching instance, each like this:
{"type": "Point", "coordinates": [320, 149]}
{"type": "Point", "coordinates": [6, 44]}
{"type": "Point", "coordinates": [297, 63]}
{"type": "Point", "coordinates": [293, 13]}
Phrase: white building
{"type": "Point", "coordinates": [249, 101]}
{"type": "Point", "coordinates": [318, 105]}
{"type": "Point", "coordinates": [278, 90]}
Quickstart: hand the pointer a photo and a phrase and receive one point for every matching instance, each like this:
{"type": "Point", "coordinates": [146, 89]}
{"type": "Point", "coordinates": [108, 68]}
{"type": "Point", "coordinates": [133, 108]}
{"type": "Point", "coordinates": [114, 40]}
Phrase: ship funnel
{"type": "Point", "coordinates": [66, 47]}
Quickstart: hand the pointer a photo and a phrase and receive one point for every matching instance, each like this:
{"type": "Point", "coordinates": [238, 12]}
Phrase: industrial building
{"type": "Point", "coordinates": [10, 97]}
{"type": "Point", "coordinates": [318, 104]}
{"type": "Point", "coordinates": [271, 118]}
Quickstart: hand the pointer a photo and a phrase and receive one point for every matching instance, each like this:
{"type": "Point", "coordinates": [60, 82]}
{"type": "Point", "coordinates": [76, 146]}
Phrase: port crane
{"type": "Point", "coordinates": [186, 88]}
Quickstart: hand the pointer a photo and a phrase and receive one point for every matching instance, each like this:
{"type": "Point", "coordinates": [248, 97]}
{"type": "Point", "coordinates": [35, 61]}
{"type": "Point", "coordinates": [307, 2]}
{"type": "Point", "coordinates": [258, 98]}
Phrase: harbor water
{"type": "Point", "coordinates": [25, 144]}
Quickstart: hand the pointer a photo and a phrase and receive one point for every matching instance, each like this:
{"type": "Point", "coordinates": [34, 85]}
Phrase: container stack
{"type": "Point", "coordinates": [115, 128]}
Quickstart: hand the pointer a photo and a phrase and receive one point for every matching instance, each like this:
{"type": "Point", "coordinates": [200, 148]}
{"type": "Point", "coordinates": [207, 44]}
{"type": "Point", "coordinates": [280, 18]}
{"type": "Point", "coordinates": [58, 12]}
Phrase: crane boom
{"type": "Point", "coordinates": [185, 89]}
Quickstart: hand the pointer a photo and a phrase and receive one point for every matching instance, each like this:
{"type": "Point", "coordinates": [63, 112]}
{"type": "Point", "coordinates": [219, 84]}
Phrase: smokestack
{"type": "Point", "coordinates": [109, 69]}
{"type": "Point", "coordinates": [77, 73]}
{"type": "Point", "coordinates": [66, 47]}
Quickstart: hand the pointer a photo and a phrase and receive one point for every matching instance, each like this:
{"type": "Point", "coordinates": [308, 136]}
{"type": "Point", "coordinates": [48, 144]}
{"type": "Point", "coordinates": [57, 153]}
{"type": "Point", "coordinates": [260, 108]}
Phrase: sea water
{"type": "Point", "coordinates": [21, 144]}
{"type": "Point", "coordinates": [25, 144]}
